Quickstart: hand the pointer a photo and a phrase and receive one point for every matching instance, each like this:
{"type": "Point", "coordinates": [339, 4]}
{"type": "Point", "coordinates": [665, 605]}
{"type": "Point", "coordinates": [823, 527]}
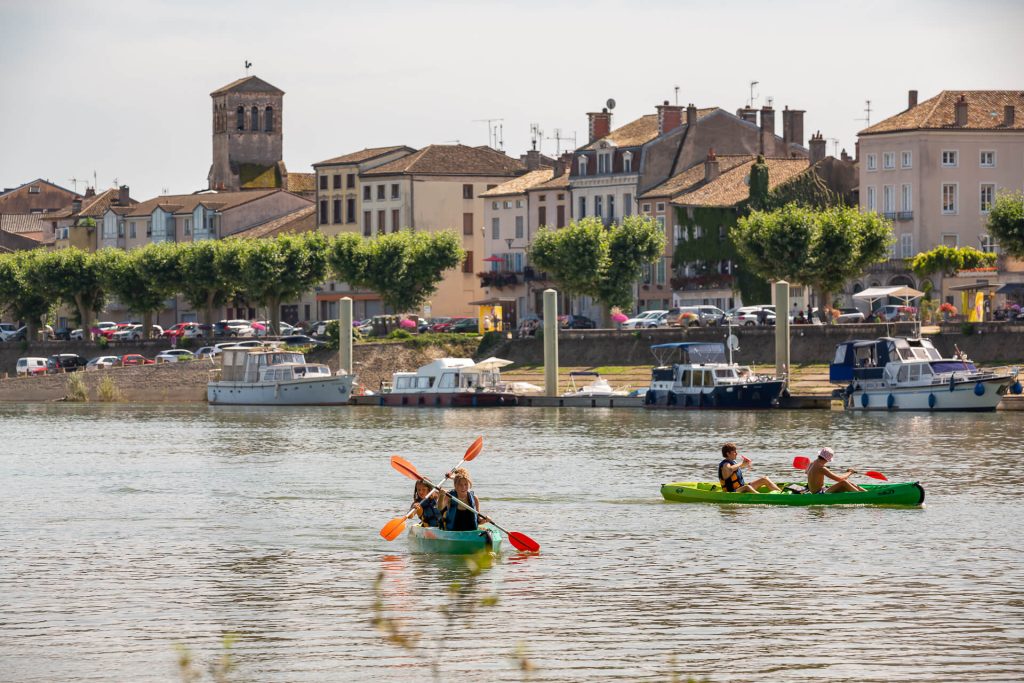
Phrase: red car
{"type": "Point", "coordinates": [136, 359]}
{"type": "Point", "coordinates": [183, 330]}
{"type": "Point", "coordinates": [109, 332]}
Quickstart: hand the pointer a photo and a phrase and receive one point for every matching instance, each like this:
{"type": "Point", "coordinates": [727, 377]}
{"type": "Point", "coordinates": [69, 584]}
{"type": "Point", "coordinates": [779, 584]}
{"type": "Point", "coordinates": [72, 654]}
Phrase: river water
{"type": "Point", "coordinates": [128, 530]}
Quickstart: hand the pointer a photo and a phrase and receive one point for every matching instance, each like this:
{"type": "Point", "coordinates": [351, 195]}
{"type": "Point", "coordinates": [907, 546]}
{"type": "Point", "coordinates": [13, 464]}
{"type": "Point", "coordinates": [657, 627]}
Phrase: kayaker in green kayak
{"type": "Point", "coordinates": [425, 503]}
{"type": "Point", "coordinates": [730, 473]}
{"type": "Point", "coordinates": [817, 471]}
{"type": "Point", "coordinates": [455, 517]}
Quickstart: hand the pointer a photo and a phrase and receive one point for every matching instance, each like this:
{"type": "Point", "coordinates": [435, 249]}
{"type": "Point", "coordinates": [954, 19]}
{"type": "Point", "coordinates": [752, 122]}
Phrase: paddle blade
{"type": "Point", "coordinates": [393, 528]}
{"type": "Point", "coordinates": [876, 475]}
{"type": "Point", "coordinates": [801, 463]}
{"type": "Point", "coordinates": [405, 467]}
{"type": "Point", "coordinates": [523, 542]}
{"type": "Point", "coordinates": [474, 449]}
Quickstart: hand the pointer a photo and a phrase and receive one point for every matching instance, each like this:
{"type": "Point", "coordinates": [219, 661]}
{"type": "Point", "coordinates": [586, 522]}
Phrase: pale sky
{"type": "Point", "coordinates": [121, 87]}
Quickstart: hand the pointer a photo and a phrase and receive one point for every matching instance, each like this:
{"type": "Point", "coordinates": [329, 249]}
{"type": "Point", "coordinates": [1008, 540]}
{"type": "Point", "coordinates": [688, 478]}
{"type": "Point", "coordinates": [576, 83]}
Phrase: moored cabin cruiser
{"type": "Point", "coordinates": [268, 376]}
{"type": "Point", "coordinates": [897, 373]}
{"type": "Point", "coordinates": [450, 382]}
{"type": "Point", "coordinates": [705, 379]}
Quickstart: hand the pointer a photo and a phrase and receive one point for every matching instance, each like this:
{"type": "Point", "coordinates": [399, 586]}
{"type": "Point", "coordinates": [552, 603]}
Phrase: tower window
{"type": "Point", "coordinates": [268, 120]}
{"type": "Point", "coordinates": [240, 118]}
{"type": "Point", "coordinates": [255, 119]}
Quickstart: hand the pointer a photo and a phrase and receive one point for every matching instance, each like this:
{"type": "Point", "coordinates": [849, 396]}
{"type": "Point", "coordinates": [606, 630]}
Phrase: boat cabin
{"type": "Point", "coordinates": [700, 364]}
{"type": "Point", "coordinates": [913, 359]}
{"type": "Point", "coordinates": [284, 372]}
{"type": "Point", "coordinates": [446, 375]}
{"type": "Point", "coordinates": [247, 364]}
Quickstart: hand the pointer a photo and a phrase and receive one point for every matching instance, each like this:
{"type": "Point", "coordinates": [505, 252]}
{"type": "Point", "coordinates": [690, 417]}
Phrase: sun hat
{"type": "Point", "coordinates": [826, 454]}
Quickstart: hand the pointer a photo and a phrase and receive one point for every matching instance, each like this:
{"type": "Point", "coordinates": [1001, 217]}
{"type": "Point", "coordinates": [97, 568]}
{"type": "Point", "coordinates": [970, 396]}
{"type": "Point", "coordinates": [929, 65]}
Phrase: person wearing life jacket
{"type": "Point", "coordinates": [730, 473]}
{"type": "Point", "coordinates": [424, 501]}
{"type": "Point", "coordinates": [817, 471]}
{"type": "Point", "coordinates": [457, 517]}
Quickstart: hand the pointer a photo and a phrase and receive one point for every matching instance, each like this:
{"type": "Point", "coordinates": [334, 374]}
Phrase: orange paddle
{"type": "Point", "coordinates": [802, 463]}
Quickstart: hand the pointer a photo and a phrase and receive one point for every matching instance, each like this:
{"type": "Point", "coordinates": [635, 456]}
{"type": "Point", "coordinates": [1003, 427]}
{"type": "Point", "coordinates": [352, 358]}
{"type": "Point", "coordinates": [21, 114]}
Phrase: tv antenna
{"type": "Point", "coordinates": [610, 103]}
{"type": "Point", "coordinates": [536, 136]}
{"type": "Point", "coordinates": [867, 113]}
{"type": "Point", "coordinates": [74, 183]}
{"type": "Point", "coordinates": [494, 132]}
{"type": "Point", "coordinates": [248, 65]}
{"type": "Point", "coordinates": [677, 95]}
{"type": "Point", "coordinates": [750, 102]}
{"type": "Point", "coordinates": [835, 146]}
{"type": "Point", "coordinates": [558, 138]}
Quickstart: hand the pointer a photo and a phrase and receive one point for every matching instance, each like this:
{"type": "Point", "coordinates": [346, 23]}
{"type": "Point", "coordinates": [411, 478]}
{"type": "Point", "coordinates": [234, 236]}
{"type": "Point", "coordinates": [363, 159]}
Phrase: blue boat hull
{"type": "Point", "coordinates": [737, 396]}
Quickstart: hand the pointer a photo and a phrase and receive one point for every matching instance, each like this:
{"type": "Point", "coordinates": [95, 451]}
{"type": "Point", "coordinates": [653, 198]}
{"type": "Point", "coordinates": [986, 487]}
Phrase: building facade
{"type": "Point", "coordinates": [339, 193]}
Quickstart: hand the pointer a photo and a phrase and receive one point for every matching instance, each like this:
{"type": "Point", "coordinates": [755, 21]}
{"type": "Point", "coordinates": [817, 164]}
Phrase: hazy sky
{"type": "Point", "coordinates": [121, 87]}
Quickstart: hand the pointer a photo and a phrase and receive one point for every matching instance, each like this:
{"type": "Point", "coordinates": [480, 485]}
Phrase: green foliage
{"type": "Point", "coordinates": [806, 189]}
{"type": "Point", "coordinates": [1006, 222]}
{"type": "Point", "coordinates": [710, 248]}
{"type": "Point", "coordinates": [399, 334]}
{"type": "Point", "coordinates": [87, 222]}
{"type": "Point", "coordinates": [205, 274]}
{"type": "Point", "coordinates": [759, 184]}
{"type": "Point", "coordinates": [272, 271]}
{"type": "Point", "coordinates": [586, 258]}
{"type": "Point", "coordinates": [489, 342]}
{"type": "Point", "coordinates": [403, 267]}
{"type": "Point", "coordinates": [75, 277]}
{"type": "Point", "coordinates": [948, 260]}
{"type": "Point", "coordinates": [108, 391]}
{"type": "Point", "coordinates": [143, 279]}
{"type": "Point", "coordinates": [75, 387]}
{"type": "Point", "coordinates": [18, 293]}
{"type": "Point", "coordinates": [102, 342]}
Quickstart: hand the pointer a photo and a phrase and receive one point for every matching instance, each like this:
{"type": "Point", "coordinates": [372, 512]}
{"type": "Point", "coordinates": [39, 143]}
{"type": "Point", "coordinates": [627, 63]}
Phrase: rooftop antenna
{"type": "Point", "coordinates": [492, 131]}
{"type": "Point", "coordinates": [248, 65]}
{"type": "Point", "coordinates": [867, 113]}
{"type": "Point", "coordinates": [456, 141]}
{"type": "Point", "coordinates": [835, 146]}
{"type": "Point", "coordinates": [501, 137]}
{"type": "Point", "coordinates": [536, 135]}
{"type": "Point", "coordinates": [116, 183]}
{"type": "Point", "coordinates": [677, 95]}
{"type": "Point", "coordinates": [750, 102]}
{"type": "Point", "coordinates": [769, 101]}
{"type": "Point", "coordinates": [74, 183]}
{"type": "Point", "coordinates": [558, 138]}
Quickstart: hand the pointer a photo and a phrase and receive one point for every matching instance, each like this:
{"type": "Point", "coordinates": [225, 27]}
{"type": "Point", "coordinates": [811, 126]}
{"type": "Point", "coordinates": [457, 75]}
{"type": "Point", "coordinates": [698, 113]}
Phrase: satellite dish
{"type": "Point", "coordinates": [610, 104]}
{"type": "Point", "coordinates": [734, 342]}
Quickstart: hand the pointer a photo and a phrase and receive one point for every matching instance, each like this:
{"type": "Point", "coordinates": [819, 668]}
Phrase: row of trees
{"type": "Point", "coordinates": [403, 267]}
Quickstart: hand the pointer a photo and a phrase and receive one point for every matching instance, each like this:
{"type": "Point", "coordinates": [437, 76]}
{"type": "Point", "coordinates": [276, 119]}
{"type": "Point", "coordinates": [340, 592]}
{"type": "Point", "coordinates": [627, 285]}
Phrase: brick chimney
{"type": "Point", "coordinates": [911, 99]}
{"type": "Point", "coordinates": [90, 192]}
{"type": "Point", "coordinates": [691, 115]}
{"type": "Point", "coordinates": [599, 124]}
{"type": "Point", "coordinates": [747, 114]}
{"type": "Point", "coordinates": [532, 160]}
{"type": "Point", "coordinates": [817, 147]}
{"type": "Point", "coordinates": [844, 156]}
{"type": "Point", "coordinates": [767, 130]}
{"type": "Point", "coordinates": [961, 111]}
{"type": "Point", "coordinates": [711, 167]}
{"type": "Point", "coordinates": [122, 196]}
{"type": "Point", "coordinates": [1008, 115]}
{"type": "Point", "coordinates": [670, 117]}
{"type": "Point", "coordinates": [792, 126]}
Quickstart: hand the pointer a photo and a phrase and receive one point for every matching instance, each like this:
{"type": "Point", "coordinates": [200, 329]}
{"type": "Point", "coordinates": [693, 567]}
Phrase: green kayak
{"type": "Point", "coordinates": [425, 539]}
{"type": "Point", "coordinates": [906, 494]}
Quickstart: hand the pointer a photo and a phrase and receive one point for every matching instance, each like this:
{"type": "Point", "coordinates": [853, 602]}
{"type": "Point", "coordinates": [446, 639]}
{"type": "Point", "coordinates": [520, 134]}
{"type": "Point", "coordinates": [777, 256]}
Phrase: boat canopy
{"type": "Point", "coordinates": [872, 294]}
{"type": "Point", "coordinates": [693, 353]}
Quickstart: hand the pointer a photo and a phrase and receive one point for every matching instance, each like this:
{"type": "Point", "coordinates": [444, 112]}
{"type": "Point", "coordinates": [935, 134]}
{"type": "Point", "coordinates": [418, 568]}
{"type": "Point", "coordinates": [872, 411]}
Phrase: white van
{"type": "Point", "coordinates": [31, 366]}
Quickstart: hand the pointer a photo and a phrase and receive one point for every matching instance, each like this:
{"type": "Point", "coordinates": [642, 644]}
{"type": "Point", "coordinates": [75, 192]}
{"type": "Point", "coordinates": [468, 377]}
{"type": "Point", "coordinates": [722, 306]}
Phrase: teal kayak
{"type": "Point", "coordinates": [425, 539]}
{"type": "Point", "coordinates": [905, 494]}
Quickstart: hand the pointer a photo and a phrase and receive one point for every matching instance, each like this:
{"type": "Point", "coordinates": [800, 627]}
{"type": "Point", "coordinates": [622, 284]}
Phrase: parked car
{"type": "Point", "coordinates": [128, 333]}
{"type": "Point", "coordinates": [17, 335]}
{"type": "Point", "coordinates": [136, 359]}
{"type": "Point", "coordinates": [173, 356]}
{"type": "Point", "coordinates": [189, 330]}
{"type": "Point", "coordinates": [208, 352]}
{"type": "Point", "coordinates": [317, 328]}
{"type": "Point", "coordinates": [30, 365]}
{"type": "Point", "coordinates": [240, 328]}
{"type": "Point", "coordinates": [65, 362]}
{"type": "Point", "coordinates": [749, 316]}
{"type": "Point", "coordinates": [464, 325]}
{"type": "Point", "coordinates": [301, 340]}
{"type": "Point", "coordinates": [643, 320]}
{"type": "Point", "coordinates": [102, 362]}
{"type": "Point", "coordinates": [99, 328]}
{"type": "Point", "coordinates": [7, 329]}
{"type": "Point", "coordinates": [62, 333]}
{"type": "Point", "coordinates": [579, 322]}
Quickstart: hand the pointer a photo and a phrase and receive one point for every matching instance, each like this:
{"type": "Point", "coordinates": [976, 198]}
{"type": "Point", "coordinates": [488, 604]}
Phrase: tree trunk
{"type": "Point", "coordinates": [85, 313]}
{"type": "Point", "coordinates": [824, 309]}
{"type": "Point", "coordinates": [147, 324]}
{"type": "Point", "coordinates": [274, 317]}
{"type": "Point", "coordinates": [209, 310]}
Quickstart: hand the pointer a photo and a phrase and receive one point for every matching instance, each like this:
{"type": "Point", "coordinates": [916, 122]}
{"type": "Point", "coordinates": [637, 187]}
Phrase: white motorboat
{"type": "Point", "coordinates": [450, 382]}
{"type": "Point", "coordinates": [898, 373]}
{"type": "Point", "coordinates": [268, 376]}
{"type": "Point", "coordinates": [597, 386]}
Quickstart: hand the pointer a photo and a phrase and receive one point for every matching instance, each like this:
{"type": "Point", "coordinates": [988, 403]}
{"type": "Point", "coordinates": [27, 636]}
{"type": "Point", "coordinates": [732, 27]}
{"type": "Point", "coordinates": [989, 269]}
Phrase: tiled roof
{"type": "Point", "coordinates": [248, 84]}
{"type": "Point", "coordinates": [452, 160]}
{"type": "Point", "coordinates": [985, 109]}
{"type": "Point", "coordinates": [557, 183]}
{"type": "Point", "coordinates": [186, 203]}
{"type": "Point", "coordinates": [362, 155]}
{"type": "Point", "coordinates": [519, 185]}
{"type": "Point", "coordinates": [300, 182]}
{"type": "Point", "coordinates": [733, 186]}
{"type": "Point", "coordinates": [13, 241]}
{"type": "Point", "coordinates": [641, 131]}
{"type": "Point", "coordinates": [694, 176]}
{"type": "Point", "coordinates": [302, 220]}
{"type": "Point", "coordinates": [25, 222]}
{"type": "Point", "coordinates": [95, 206]}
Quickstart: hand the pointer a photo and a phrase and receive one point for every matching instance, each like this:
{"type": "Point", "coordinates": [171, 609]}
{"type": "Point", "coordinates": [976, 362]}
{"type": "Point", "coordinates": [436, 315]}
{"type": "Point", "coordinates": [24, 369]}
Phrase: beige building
{"type": "Point", "coordinates": [935, 169]}
{"type": "Point", "coordinates": [436, 188]}
{"type": "Point", "coordinates": [339, 193]}
{"type": "Point", "coordinates": [69, 230]}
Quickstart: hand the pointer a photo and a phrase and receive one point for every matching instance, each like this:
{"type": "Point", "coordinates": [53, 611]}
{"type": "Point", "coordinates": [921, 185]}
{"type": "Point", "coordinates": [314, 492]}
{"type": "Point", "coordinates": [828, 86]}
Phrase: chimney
{"type": "Point", "coordinates": [911, 99]}
{"type": "Point", "coordinates": [711, 167]}
{"type": "Point", "coordinates": [792, 126]}
{"type": "Point", "coordinates": [670, 117]}
{"type": "Point", "coordinates": [691, 115]}
{"type": "Point", "coordinates": [600, 124]}
{"type": "Point", "coordinates": [532, 160]}
{"type": "Point", "coordinates": [817, 146]}
{"type": "Point", "coordinates": [767, 130]}
{"type": "Point", "coordinates": [122, 196]}
{"type": "Point", "coordinates": [844, 156]}
{"type": "Point", "coordinates": [1008, 116]}
{"type": "Point", "coordinates": [76, 205]}
{"type": "Point", "coordinates": [747, 114]}
{"type": "Point", "coordinates": [961, 111]}
{"type": "Point", "coordinates": [90, 192]}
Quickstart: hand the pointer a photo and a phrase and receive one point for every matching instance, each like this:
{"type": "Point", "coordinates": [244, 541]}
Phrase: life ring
{"type": "Point", "coordinates": [864, 400]}
{"type": "Point", "coordinates": [979, 389]}
{"type": "Point", "coordinates": [931, 400]}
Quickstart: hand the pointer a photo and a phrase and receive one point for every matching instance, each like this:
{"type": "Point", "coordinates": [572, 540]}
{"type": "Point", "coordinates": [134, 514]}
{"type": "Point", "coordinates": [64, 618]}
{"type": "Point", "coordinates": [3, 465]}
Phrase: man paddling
{"type": "Point", "coordinates": [730, 474]}
{"type": "Point", "coordinates": [818, 470]}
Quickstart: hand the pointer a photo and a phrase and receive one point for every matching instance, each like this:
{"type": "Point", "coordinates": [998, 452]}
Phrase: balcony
{"type": "Point", "coordinates": [905, 216]}
{"type": "Point", "coordinates": [708, 281]}
{"type": "Point", "coordinates": [499, 279]}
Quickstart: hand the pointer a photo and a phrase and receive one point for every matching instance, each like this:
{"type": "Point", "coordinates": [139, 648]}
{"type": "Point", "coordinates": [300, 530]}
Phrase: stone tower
{"type": "Point", "coordinates": [247, 133]}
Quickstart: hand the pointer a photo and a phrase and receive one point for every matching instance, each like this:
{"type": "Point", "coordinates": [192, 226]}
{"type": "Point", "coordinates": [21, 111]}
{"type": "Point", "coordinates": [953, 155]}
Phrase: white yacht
{"type": "Point", "coordinates": [897, 373]}
{"type": "Point", "coordinates": [704, 378]}
{"type": "Point", "coordinates": [451, 382]}
{"type": "Point", "coordinates": [268, 376]}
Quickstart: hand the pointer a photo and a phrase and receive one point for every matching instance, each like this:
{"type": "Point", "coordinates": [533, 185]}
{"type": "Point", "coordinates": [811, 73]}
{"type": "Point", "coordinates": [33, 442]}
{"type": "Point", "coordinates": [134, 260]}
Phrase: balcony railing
{"type": "Point", "coordinates": [905, 216]}
{"type": "Point", "coordinates": [499, 279]}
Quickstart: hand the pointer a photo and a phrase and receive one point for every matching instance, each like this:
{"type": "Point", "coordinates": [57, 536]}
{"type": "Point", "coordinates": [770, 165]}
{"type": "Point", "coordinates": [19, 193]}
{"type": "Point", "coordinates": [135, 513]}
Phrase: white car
{"type": "Point", "coordinates": [240, 328]}
{"type": "Point", "coordinates": [8, 330]}
{"type": "Point", "coordinates": [78, 335]}
{"type": "Point", "coordinates": [128, 333]}
{"type": "Point", "coordinates": [174, 355]}
{"type": "Point", "coordinates": [103, 362]}
{"type": "Point", "coordinates": [645, 319]}
{"type": "Point", "coordinates": [748, 315]}
{"type": "Point", "coordinates": [31, 365]}
{"type": "Point", "coordinates": [209, 351]}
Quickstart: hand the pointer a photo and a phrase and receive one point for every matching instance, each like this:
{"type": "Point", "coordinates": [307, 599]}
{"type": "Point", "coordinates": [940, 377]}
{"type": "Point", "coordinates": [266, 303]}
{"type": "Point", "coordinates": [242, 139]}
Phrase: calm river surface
{"type": "Point", "coordinates": [127, 530]}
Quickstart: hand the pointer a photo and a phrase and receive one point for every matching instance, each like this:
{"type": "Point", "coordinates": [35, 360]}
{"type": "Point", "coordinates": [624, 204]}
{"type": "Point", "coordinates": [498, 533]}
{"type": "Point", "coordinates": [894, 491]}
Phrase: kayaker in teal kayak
{"type": "Point", "coordinates": [817, 471]}
{"type": "Point", "coordinates": [730, 473]}
{"type": "Point", "coordinates": [455, 517]}
{"type": "Point", "coordinates": [424, 501]}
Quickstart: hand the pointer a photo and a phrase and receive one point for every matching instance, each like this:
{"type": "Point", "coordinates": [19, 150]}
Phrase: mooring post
{"type": "Point", "coordinates": [782, 330]}
{"type": "Point", "coordinates": [345, 334]}
{"type": "Point", "coordinates": [550, 342]}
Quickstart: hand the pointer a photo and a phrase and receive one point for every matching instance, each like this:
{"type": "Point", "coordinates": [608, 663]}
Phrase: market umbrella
{"type": "Point", "coordinates": [492, 363]}
{"type": "Point", "coordinates": [494, 259]}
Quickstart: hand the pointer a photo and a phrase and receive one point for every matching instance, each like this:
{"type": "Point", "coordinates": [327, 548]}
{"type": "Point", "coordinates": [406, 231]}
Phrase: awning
{"type": "Point", "coordinates": [975, 287]}
{"type": "Point", "coordinates": [493, 301]}
{"type": "Point", "coordinates": [1011, 288]}
{"type": "Point", "coordinates": [873, 294]}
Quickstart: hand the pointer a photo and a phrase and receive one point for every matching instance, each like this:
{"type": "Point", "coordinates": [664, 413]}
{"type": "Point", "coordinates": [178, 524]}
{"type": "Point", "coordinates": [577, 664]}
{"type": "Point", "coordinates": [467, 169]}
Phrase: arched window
{"type": "Point", "coordinates": [240, 118]}
{"type": "Point", "coordinates": [268, 120]}
{"type": "Point", "coordinates": [255, 119]}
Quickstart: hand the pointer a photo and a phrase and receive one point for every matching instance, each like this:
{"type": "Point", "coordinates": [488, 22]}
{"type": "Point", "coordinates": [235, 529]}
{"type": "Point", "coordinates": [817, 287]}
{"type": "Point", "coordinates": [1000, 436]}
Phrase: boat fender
{"type": "Point", "coordinates": [474, 400]}
{"type": "Point", "coordinates": [979, 389]}
{"type": "Point", "coordinates": [1016, 388]}
{"type": "Point", "coordinates": [380, 401]}
{"type": "Point", "coordinates": [864, 399]}
{"type": "Point", "coordinates": [650, 398]}
{"type": "Point", "coordinates": [952, 382]}
{"type": "Point", "coordinates": [501, 400]}
{"type": "Point", "coordinates": [931, 400]}
{"type": "Point", "coordinates": [890, 401]}
{"type": "Point", "coordinates": [671, 400]}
